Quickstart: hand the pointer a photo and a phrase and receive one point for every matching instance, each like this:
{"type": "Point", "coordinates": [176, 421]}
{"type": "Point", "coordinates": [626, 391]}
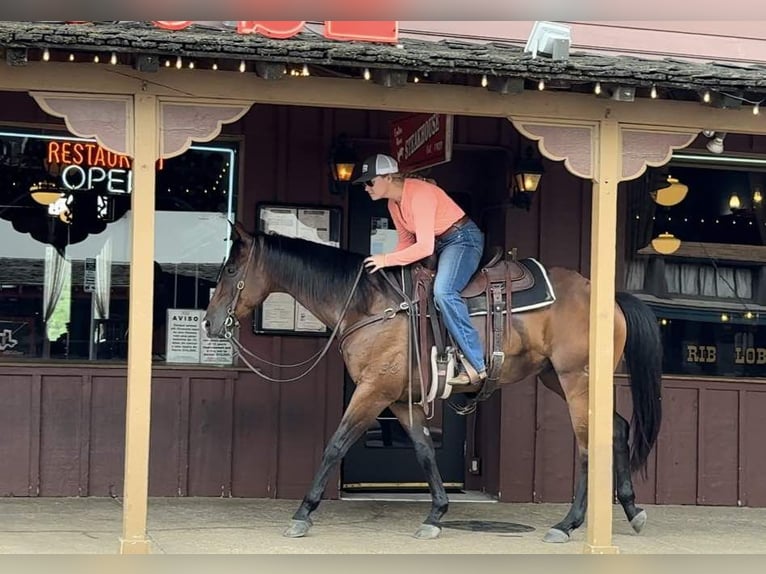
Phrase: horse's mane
{"type": "Point", "coordinates": [322, 272]}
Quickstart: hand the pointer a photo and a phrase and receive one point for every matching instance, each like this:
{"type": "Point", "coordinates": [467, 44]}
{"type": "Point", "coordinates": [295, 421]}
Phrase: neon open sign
{"type": "Point", "coordinates": [85, 164]}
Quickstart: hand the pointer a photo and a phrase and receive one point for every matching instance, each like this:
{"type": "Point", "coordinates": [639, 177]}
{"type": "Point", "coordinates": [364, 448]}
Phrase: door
{"type": "Point", "coordinates": [383, 458]}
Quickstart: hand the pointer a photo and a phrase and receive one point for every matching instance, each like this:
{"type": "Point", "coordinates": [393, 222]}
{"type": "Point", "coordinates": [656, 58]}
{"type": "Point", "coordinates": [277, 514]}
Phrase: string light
{"type": "Point", "coordinates": [416, 79]}
{"type": "Point", "coordinates": [191, 65]}
{"type": "Point", "coordinates": [706, 97]}
{"type": "Point", "coordinates": [113, 59]}
{"type": "Point", "coordinates": [541, 85]}
{"type": "Point", "coordinates": [46, 55]}
{"type": "Point", "coordinates": [215, 65]}
{"type": "Point", "coordinates": [179, 63]}
{"type": "Point", "coordinates": [96, 59]}
{"type": "Point", "coordinates": [653, 92]}
{"type": "Point", "coordinates": [484, 81]}
{"type": "Point", "coordinates": [167, 63]}
{"type": "Point", "coordinates": [305, 70]}
{"type": "Point", "coordinates": [597, 88]}
{"type": "Point", "coordinates": [71, 57]}
{"type": "Point", "coordinates": [367, 74]}
{"type": "Point", "coordinates": [242, 66]}
{"type": "Point", "coordinates": [756, 109]}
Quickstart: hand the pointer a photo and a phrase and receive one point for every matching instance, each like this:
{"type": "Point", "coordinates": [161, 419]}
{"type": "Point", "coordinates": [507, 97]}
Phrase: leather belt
{"type": "Point", "coordinates": [454, 227]}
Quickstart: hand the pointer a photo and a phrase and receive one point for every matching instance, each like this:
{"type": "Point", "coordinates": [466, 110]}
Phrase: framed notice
{"type": "Point", "coordinates": [280, 313]}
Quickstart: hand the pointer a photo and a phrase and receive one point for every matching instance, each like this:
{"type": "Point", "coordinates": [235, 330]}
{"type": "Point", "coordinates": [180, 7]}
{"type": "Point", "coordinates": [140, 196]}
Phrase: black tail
{"type": "Point", "coordinates": [643, 357]}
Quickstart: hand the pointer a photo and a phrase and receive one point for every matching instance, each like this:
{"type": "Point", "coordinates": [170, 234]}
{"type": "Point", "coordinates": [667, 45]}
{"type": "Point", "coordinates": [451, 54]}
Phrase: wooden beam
{"type": "Point", "coordinates": [138, 409]}
{"type": "Point", "coordinates": [601, 337]}
{"type": "Point", "coordinates": [359, 94]}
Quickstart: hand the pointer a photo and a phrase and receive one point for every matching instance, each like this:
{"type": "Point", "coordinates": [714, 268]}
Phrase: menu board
{"type": "Point", "coordinates": [281, 313]}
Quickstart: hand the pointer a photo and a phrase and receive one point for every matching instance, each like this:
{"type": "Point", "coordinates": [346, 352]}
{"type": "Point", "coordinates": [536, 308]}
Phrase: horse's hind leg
{"type": "Point", "coordinates": [573, 388]}
{"type": "Point", "coordinates": [366, 403]}
{"type": "Point", "coordinates": [424, 451]}
{"type": "Point", "coordinates": [623, 482]}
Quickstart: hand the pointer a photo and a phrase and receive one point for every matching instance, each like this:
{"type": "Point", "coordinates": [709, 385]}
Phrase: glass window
{"type": "Point", "coordinates": [65, 246]}
{"type": "Point", "coordinates": [700, 264]}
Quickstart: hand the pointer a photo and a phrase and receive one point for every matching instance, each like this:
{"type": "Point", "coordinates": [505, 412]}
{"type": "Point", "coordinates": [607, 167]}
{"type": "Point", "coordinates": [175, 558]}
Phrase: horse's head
{"type": "Point", "coordinates": [239, 287]}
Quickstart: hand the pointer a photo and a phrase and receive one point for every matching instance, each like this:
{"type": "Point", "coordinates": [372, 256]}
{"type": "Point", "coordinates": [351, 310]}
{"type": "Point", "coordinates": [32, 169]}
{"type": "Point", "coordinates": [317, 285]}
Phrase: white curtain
{"type": "Point", "coordinates": [58, 273]}
{"type": "Point", "coordinates": [636, 275]}
{"type": "Point", "coordinates": [103, 280]}
{"type": "Point", "coordinates": [709, 281]}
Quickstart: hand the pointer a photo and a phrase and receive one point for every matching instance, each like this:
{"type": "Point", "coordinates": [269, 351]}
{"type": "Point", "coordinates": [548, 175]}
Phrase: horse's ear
{"type": "Point", "coordinates": [238, 231]}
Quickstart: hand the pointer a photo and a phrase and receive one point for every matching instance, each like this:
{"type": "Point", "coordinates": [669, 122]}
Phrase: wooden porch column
{"type": "Point", "coordinates": [601, 360]}
{"type": "Point", "coordinates": [138, 411]}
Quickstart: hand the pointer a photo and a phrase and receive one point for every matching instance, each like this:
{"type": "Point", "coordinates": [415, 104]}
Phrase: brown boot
{"type": "Point", "coordinates": [462, 378]}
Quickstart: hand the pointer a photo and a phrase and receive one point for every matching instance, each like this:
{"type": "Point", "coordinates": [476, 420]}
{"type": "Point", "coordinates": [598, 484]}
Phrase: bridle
{"type": "Point", "coordinates": [231, 321]}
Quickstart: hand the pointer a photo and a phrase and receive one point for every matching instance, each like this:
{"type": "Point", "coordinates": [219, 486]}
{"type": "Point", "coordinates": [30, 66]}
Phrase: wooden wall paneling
{"type": "Point", "coordinates": [677, 448]}
{"type": "Point", "coordinates": [210, 436]}
{"type": "Point", "coordinates": [554, 449]}
{"type": "Point", "coordinates": [169, 439]}
{"type": "Point", "coordinates": [752, 437]}
{"type": "Point", "coordinates": [107, 433]}
{"type": "Point", "coordinates": [560, 232]}
{"type": "Point", "coordinates": [518, 427]}
{"type": "Point", "coordinates": [85, 436]}
{"type": "Point", "coordinates": [718, 447]}
{"type": "Point", "coordinates": [18, 413]}
{"type": "Point", "coordinates": [253, 461]}
{"type": "Point", "coordinates": [60, 435]}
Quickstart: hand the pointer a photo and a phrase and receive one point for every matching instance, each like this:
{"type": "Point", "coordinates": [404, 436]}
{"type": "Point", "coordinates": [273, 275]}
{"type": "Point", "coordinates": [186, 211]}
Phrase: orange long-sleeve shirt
{"type": "Point", "coordinates": [425, 211]}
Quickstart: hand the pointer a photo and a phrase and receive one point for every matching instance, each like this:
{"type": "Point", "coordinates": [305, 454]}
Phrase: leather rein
{"type": "Point", "coordinates": [232, 322]}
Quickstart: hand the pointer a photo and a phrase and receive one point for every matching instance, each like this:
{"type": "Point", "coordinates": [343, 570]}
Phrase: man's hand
{"type": "Point", "coordinates": [374, 263]}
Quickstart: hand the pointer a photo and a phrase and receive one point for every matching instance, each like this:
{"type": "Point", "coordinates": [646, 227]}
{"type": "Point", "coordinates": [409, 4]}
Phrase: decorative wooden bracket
{"type": "Point", "coordinates": [575, 143]}
{"type": "Point", "coordinates": [109, 120]}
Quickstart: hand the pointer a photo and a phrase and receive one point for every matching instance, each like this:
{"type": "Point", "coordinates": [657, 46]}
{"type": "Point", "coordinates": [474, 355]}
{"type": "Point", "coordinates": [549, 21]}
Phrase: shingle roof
{"type": "Point", "coordinates": [438, 58]}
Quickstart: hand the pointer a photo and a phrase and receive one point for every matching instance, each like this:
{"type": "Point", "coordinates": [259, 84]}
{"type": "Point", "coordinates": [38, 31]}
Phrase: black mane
{"type": "Point", "coordinates": [322, 272]}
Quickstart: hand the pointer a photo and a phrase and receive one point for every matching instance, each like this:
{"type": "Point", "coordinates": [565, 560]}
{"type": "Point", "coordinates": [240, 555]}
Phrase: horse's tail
{"type": "Point", "coordinates": [643, 357]}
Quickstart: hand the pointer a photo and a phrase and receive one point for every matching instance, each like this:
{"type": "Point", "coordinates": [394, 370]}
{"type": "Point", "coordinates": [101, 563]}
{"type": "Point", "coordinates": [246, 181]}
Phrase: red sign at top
{"type": "Point", "coordinates": [421, 140]}
{"type": "Point", "coordinates": [363, 31]}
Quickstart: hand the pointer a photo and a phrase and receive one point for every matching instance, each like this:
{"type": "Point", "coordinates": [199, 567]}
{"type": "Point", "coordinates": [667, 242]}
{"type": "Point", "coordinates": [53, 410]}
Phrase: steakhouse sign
{"type": "Point", "coordinates": [421, 140]}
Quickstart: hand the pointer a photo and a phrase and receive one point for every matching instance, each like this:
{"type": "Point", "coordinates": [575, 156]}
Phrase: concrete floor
{"type": "Point", "coordinates": [254, 526]}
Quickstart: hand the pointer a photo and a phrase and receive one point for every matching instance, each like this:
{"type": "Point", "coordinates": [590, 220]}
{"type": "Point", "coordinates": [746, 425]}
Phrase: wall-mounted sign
{"type": "Point", "coordinates": [421, 140]}
{"type": "Point", "coordinates": [186, 343]}
{"type": "Point", "coordinates": [360, 31]}
{"type": "Point", "coordinates": [83, 164]}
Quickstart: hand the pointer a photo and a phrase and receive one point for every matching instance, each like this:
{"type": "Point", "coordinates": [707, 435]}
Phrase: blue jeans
{"type": "Point", "coordinates": [459, 255]}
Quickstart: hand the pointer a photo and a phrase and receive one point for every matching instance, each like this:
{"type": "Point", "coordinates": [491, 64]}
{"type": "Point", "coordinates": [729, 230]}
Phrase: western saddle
{"type": "Point", "coordinates": [497, 278]}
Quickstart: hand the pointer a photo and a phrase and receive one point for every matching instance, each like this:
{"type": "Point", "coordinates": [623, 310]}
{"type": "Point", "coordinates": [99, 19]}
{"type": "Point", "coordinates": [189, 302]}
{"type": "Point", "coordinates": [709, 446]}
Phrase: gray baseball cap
{"type": "Point", "coordinates": [375, 165]}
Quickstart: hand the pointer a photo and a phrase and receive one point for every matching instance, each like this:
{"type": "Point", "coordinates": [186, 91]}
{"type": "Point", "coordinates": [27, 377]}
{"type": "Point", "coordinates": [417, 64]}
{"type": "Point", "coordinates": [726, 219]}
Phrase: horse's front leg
{"type": "Point", "coordinates": [424, 451]}
{"type": "Point", "coordinates": [366, 404]}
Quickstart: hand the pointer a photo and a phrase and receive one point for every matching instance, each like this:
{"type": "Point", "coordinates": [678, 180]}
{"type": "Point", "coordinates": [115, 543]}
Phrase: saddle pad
{"type": "Point", "coordinates": [538, 296]}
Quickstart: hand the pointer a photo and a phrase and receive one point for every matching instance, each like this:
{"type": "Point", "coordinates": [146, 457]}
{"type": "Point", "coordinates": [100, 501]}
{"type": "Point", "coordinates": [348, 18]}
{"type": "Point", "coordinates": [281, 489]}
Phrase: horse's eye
{"type": "Point", "coordinates": [231, 270]}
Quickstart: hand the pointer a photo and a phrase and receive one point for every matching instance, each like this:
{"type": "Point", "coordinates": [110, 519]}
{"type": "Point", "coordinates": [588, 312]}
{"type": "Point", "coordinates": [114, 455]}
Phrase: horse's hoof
{"type": "Point", "coordinates": [638, 522]}
{"type": "Point", "coordinates": [554, 535]}
{"type": "Point", "coordinates": [427, 532]}
{"type": "Point", "coordinates": [297, 529]}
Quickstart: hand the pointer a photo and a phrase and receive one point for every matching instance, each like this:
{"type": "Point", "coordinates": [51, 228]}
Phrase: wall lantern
{"type": "Point", "coordinates": [670, 192]}
{"type": "Point", "coordinates": [666, 243]}
{"type": "Point", "coordinates": [342, 162]}
{"type": "Point", "coordinates": [529, 170]}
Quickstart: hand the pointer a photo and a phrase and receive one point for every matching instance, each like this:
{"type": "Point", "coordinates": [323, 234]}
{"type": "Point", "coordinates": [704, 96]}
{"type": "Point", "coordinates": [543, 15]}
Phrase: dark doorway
{"type": "Point", "coordinates": [383, 458]}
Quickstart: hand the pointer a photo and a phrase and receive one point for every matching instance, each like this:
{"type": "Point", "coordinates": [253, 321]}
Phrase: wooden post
{"type": "Point", "coordinates": [601, 360]}
{"type": "Point", "coordinates": [138, 411]}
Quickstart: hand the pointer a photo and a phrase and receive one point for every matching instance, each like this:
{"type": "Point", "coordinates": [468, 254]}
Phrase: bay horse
{"type": "Point", "coordinates": [550, 343]}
